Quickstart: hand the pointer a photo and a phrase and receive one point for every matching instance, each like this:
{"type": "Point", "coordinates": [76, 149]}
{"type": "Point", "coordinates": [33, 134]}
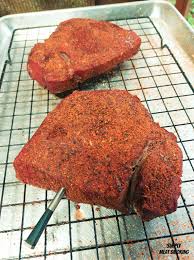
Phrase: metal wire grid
{"type": "Point", "coordinates": [155, 76]}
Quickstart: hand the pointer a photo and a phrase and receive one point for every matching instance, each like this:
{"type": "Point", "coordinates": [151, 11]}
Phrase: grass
{"type": "Point", "coordinates": [190, 17]}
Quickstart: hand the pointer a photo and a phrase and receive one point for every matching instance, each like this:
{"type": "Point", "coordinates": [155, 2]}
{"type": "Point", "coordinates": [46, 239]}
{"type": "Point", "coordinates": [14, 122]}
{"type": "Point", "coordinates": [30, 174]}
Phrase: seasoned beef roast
{"type": "Point", "coordinates": [105, 149]}
{"type": "Point", "coordinates": [78, 50]}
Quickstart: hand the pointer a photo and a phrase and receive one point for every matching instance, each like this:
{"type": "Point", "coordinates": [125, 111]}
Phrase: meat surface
{"type": "Point", "coordinates": [105, 149]}
{"type": "Point", "coordinates": [78, 50]}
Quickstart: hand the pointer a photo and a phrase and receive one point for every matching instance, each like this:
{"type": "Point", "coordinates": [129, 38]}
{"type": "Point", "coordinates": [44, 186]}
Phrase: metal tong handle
{"type": "Point", "coordinates": [34, 236]}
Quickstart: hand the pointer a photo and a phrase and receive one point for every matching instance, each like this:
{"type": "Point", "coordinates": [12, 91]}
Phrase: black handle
{"type": "Point", "coordinates": [34, 236]}
{"type": "Point", "coordinates": [39, 228]}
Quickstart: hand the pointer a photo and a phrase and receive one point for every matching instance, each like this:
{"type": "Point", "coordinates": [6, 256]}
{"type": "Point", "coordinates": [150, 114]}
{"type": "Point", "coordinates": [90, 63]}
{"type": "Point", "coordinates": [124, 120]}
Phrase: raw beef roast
{"type": "Point", "coordinates": [105, 149]}
{"type": "Point", "coordinates": [80, 49]}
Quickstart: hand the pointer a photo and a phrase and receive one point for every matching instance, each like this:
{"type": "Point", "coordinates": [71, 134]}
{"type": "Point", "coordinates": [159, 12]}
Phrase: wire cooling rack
{"type": "Point", "coordinates": [155, 76]}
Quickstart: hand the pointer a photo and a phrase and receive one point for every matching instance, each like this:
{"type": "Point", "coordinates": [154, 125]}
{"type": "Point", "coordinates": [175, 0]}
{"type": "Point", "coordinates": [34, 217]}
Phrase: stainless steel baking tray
{"type": "Point", "coordinates": [161, 75]}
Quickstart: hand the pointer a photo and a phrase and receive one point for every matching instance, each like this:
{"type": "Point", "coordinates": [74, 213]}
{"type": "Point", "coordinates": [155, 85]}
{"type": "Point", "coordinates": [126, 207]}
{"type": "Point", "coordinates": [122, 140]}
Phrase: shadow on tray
{"type": "Point", "coordinates": [91, 84]}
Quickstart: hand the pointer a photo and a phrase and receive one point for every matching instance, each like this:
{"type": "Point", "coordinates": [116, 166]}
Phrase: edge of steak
{"type": "Point", "coordinates": [78, 50]}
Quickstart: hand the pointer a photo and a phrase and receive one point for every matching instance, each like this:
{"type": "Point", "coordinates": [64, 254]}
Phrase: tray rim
{"type": "Point", "coordinates": [96, 8]}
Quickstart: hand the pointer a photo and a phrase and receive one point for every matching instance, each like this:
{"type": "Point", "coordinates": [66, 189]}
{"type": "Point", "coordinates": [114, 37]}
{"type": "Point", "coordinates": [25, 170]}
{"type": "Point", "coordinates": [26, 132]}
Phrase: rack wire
{"type": "Point", "coordinates": [155, 76]}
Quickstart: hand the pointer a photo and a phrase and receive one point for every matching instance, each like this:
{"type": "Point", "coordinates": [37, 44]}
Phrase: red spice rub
{"type": "Point", "coordinates": [105, 149]}
{"type": "Point", "coordinates": [80, 49]}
